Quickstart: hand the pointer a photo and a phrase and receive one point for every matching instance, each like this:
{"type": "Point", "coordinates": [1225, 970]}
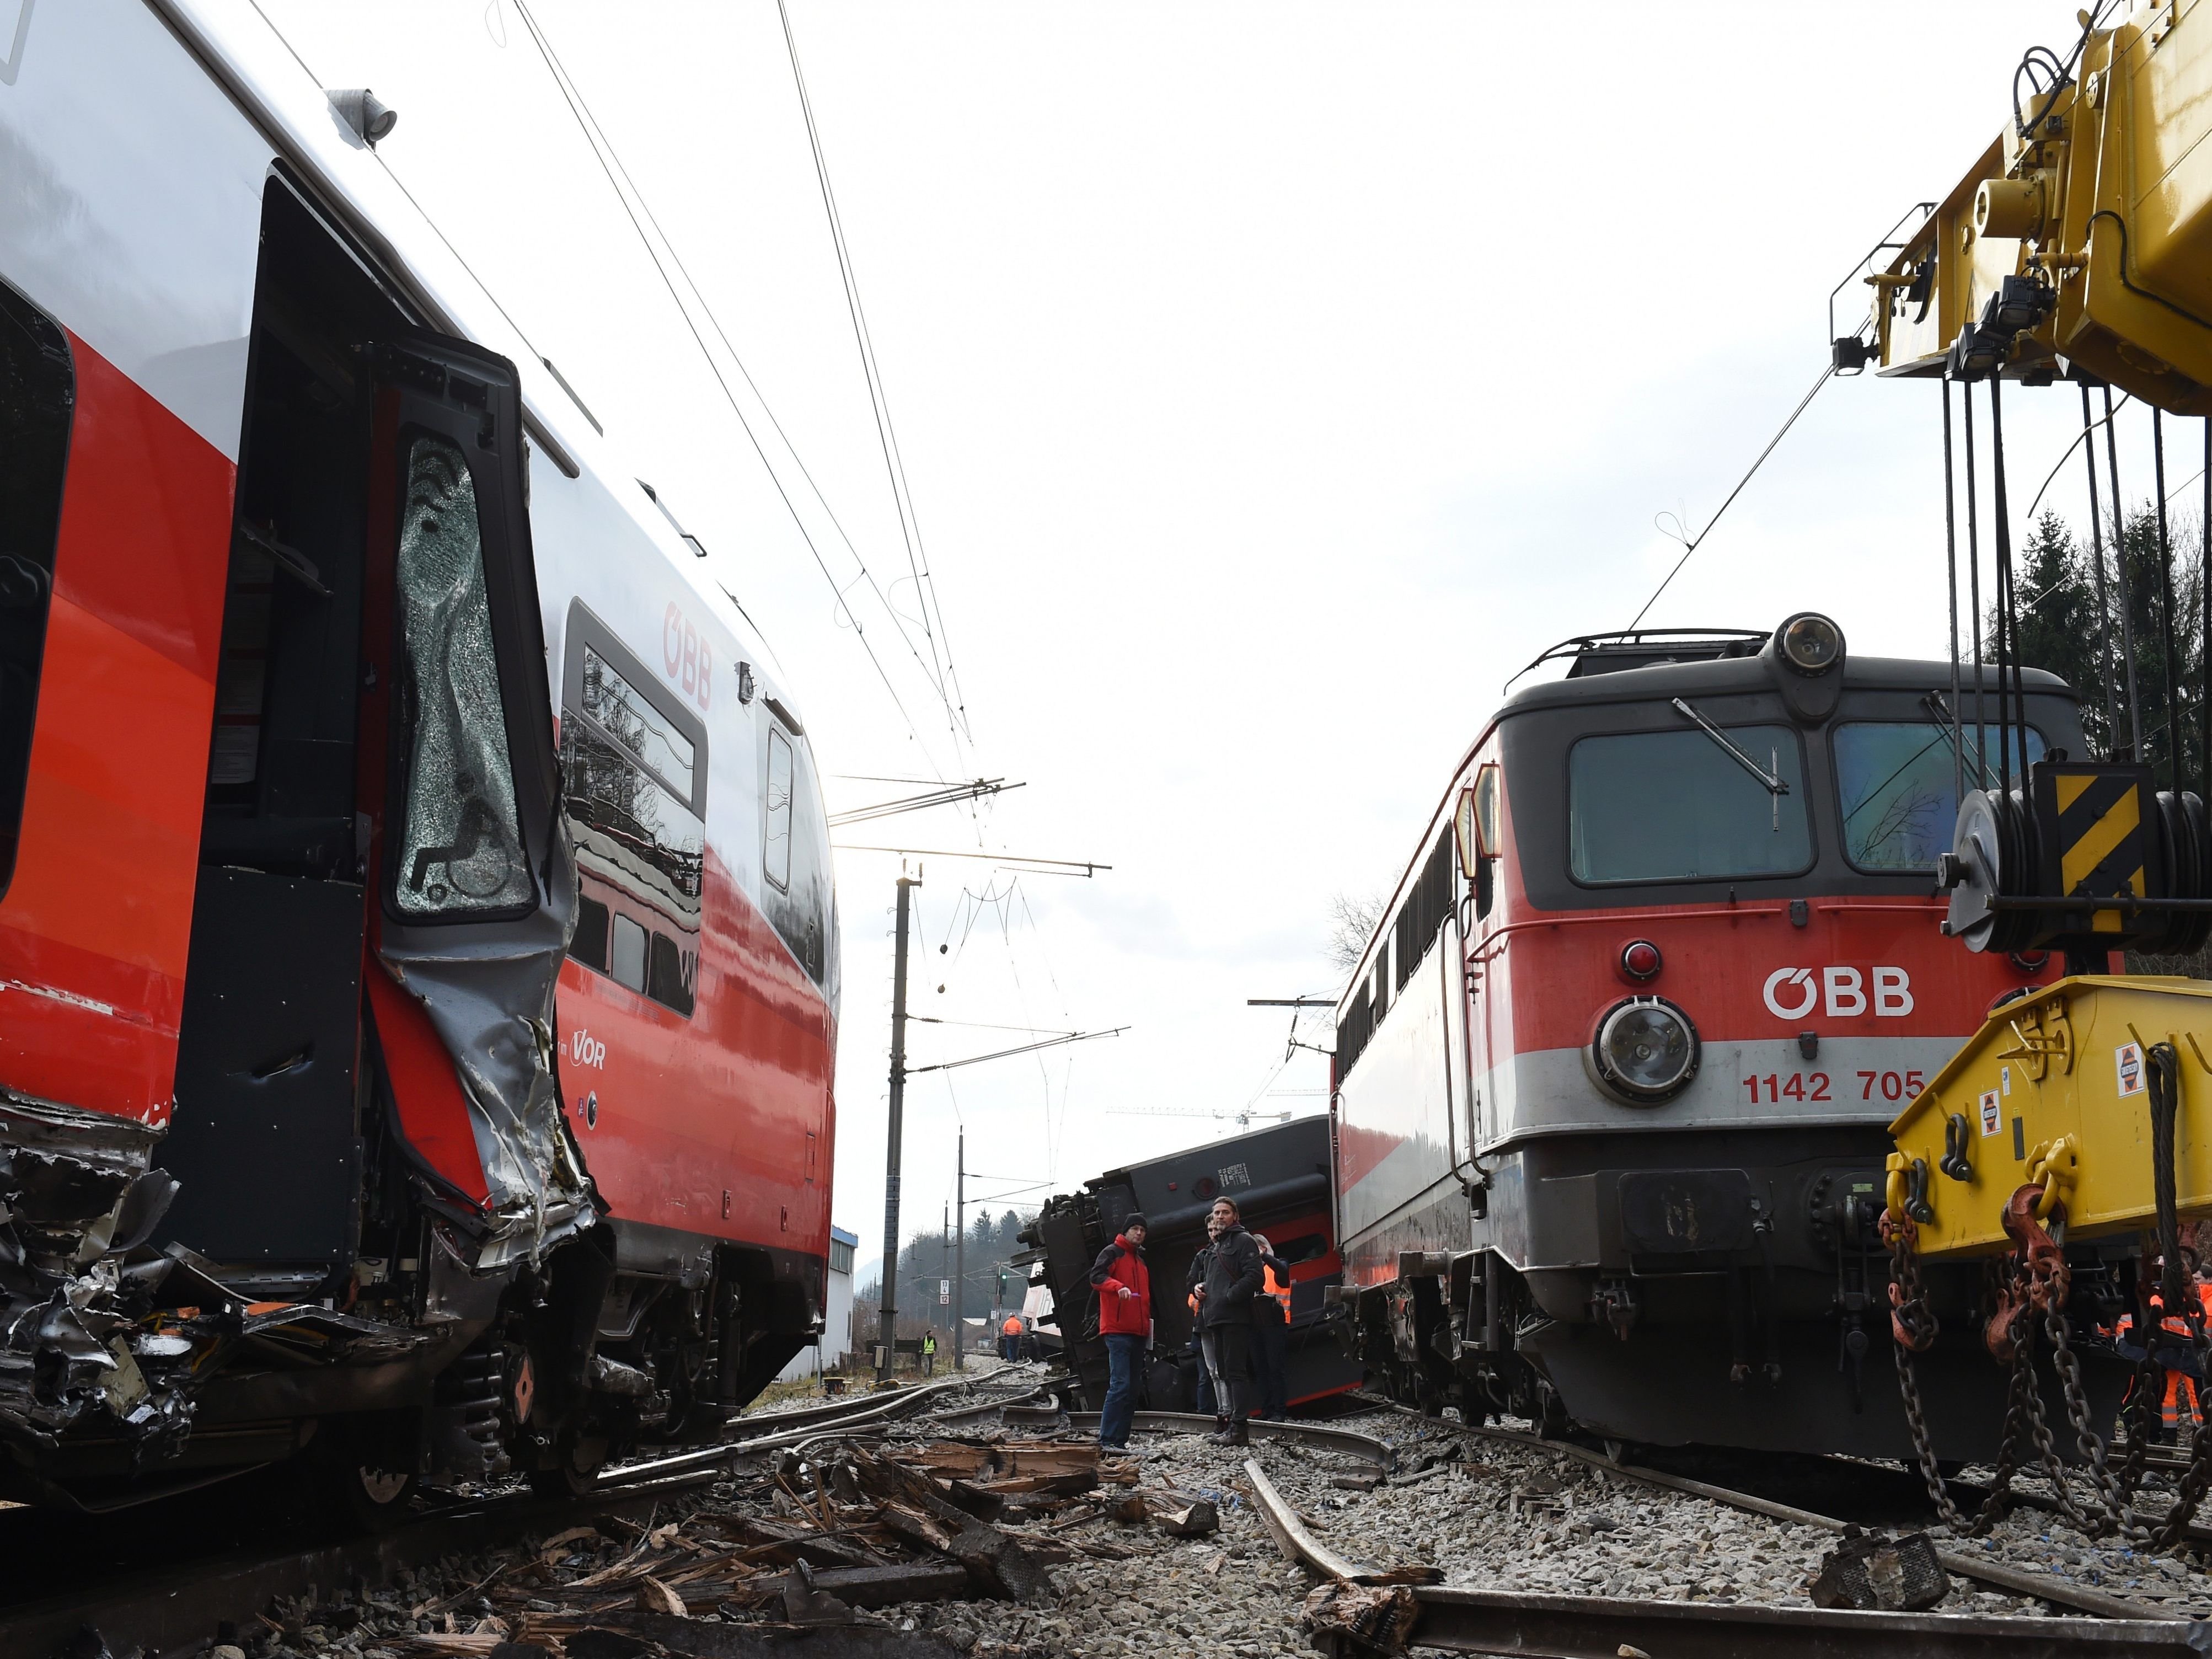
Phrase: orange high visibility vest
{"type": "Point", "coordinates": [1279, 1288]}
{"type": "Point", "coordinates": [1013, 1325]}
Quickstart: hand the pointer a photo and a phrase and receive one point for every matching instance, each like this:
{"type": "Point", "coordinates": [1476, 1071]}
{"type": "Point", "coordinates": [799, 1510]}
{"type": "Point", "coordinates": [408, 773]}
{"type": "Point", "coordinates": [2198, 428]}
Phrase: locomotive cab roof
{"type": "Point", "coordinates": [1617, 677]}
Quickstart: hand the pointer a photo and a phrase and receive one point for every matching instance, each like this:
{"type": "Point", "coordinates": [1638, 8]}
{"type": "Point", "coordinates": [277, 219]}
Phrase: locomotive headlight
{"type": "Point", "coordinates": [1646, 1050]}
{"type": "Point", "coordinates": [1810, 642]}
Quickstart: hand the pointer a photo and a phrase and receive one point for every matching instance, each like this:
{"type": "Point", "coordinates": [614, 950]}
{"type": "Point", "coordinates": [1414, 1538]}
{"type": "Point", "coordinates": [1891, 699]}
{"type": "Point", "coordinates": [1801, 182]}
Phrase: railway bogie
{"type": "Point", "coordinates": [1614, 1082]}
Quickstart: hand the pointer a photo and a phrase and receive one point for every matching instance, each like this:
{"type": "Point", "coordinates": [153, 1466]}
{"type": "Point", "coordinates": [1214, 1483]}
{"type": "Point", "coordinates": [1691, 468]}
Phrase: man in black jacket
{"type": "Point", "coordinates": [1233, 1278]}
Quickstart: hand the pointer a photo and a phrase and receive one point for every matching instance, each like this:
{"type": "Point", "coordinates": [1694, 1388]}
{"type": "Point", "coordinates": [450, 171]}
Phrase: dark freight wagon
{"type": "Point", "coordinates": [1279, 1178]}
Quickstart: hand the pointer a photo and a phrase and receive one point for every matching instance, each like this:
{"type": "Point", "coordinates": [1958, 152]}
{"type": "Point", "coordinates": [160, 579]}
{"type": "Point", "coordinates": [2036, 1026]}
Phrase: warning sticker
{"type": "Point", "coordinates": [1992, 1113]}
{"type": "Point", "coordinates": [2129, 1058]}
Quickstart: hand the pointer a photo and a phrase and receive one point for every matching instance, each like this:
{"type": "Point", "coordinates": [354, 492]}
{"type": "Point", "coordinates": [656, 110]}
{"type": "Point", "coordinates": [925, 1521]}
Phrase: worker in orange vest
{"type": "Point", "coordinates": [1270, 1332]}
{"type": "Point", "coordinates": [1010, 1338]}
{"type": "Point", "coordinates": [2182, 1402]}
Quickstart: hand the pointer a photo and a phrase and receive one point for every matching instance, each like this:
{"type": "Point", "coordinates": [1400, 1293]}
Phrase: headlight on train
{"type": "Point", "coordinates": [1810, 642]}
{"type": "Point", "coordinates": [1646, 1050]}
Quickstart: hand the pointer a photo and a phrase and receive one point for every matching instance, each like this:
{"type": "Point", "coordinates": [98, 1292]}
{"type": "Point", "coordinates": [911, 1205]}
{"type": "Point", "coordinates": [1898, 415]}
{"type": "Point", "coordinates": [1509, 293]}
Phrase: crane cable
{"type": "Point", "coordinates": [1693, 545]}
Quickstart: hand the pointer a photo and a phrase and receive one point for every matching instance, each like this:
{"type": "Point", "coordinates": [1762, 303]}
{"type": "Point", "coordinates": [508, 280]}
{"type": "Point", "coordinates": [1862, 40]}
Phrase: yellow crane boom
{"type": "Point", "coordinates": [2083, 233]}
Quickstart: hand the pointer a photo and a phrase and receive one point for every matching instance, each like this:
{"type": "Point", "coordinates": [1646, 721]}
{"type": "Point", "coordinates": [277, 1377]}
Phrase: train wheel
{"type": "Point", "coordinates": [365, 1483]}
{"type": "Point", "coordinates": [574, 1469]}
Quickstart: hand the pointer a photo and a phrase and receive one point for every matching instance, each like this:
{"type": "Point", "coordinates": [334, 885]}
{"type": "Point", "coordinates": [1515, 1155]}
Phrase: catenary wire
{"type": "Point", "coordinates": [1692, 546]}
{"type": "Point", "coordinates": [887, 437]}
{"type": "Point", "coordinates": [595, 138]}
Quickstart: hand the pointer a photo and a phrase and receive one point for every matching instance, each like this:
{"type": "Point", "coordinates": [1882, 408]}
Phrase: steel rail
{"type": "Point", "coordinates": [1458, 1620]}
{"type": "Point", "coordinates": [2039, 1586]}
{"type": "Point", "coordinates": [1365, 1447]}
{"type": "Point", "coordinates": [866, 1411]}
{"type": "Point", "coordinates": [1516, 1621]}
{"type": "Point", "coordinates": [1290, 1530]}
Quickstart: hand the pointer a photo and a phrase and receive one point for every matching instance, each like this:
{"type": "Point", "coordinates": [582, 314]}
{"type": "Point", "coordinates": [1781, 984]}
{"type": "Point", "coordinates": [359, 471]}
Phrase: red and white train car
{"type": "Point", "coordinates": [1613, 1082]}
{"type": "Point", "coordinates": [418, 956]}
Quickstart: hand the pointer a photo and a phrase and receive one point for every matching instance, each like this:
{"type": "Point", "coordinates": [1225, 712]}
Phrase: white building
{"type": "Point", "coordinates": [836, 1313]}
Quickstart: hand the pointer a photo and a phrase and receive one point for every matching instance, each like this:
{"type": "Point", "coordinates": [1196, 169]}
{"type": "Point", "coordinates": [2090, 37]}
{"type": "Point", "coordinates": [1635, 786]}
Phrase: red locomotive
{"type": "Point", "coordinates": [1612, 1083]}
{"type": "Point", "coordinates": [418, 962]}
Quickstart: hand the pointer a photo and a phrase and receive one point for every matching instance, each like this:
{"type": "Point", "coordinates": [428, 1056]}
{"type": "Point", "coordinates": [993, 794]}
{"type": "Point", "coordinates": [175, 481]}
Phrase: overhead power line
{"type": "Point", "coordinates": [625, 189]}
{"type": "Point", "coordinates": [917, 558]}
{"type": "Point", "coordinates": [1017, 862]}
{"type": "Point", "coordinates": [951, 795]}
{"type": "Point", "coordinates": [1026, 1049]}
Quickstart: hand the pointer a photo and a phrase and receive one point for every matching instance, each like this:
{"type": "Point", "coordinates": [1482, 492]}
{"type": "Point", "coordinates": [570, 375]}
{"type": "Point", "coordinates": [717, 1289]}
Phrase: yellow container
{"type": "Point", "coordinates": [2055, 1086]}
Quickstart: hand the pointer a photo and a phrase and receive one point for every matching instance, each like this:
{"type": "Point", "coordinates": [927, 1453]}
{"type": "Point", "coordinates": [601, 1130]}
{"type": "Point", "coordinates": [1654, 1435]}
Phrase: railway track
{"type": "Point", "coordinates": [1457, 1621]}
{"type": "Point", "coordinates": [179, 1608]}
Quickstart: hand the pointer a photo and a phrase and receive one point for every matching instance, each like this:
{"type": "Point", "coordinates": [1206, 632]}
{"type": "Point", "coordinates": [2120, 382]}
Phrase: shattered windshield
{"type": "Point", "coordinates": [460, 847]}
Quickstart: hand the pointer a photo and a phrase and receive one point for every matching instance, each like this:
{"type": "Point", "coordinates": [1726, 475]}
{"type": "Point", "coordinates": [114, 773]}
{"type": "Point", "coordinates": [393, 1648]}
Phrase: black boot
{"type": "Point", "coordinates": [1239, 1435]}
{"type": "Point", "coordinates": [1222, 1435]}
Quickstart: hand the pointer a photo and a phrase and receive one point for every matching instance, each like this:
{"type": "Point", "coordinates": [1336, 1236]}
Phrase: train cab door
{"type": "Point", "coordinates": [473, 883]}
{"type": "Point", "coordinates": [265, 1133]}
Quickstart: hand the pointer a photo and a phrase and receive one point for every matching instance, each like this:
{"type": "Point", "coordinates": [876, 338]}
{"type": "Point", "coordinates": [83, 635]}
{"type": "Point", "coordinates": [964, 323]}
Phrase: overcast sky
{"type": "Point", "coordinates": [1273, 381]}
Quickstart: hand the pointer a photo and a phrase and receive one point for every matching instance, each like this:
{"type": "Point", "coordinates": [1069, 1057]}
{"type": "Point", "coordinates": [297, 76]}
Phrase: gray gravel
{"type": "Point", "coordinates": [1502, 1516]}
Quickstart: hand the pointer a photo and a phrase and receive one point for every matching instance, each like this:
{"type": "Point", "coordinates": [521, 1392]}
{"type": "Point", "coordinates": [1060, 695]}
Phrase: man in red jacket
{"type": "Point", "coordinates": [1125, 1323]}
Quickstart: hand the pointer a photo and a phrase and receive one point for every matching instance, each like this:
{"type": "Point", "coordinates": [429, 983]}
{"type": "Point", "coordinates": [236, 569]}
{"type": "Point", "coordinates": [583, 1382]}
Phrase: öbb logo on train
{"type": "Point", "coordinates": [1841, 992]}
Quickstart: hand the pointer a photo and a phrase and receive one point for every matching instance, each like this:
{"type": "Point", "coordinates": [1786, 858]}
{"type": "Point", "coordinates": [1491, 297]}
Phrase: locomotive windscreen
{"type": "Point", "coordinates": [1897, 782]}
{"type": "Point", "coordinates": [1677, 806]}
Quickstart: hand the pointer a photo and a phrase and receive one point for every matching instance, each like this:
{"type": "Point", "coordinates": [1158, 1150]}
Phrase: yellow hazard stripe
{"type": "Point", "coordinates": [2080, 861]}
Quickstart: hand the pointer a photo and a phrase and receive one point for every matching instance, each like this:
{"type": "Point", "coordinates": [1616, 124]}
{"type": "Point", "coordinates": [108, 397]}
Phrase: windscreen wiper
{"type": "Point", "coordinates": [1767, 781]}
{"type": "Point", "coordinates": [1948, 724]}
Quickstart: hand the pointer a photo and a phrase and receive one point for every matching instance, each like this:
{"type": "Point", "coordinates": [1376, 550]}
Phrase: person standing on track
{"type": "Point", "coordinates": [1233, 1278]}
{"type": "Point", "coordinates": [1191, 1282]}
{"type": "Point", "coordinates": [1271, 1332]}
{"type": "Point", "coordinates": [1124, 1284]}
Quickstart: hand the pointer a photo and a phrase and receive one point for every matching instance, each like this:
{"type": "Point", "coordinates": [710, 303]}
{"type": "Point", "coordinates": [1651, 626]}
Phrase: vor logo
{"type": "Point", "coordinates": [1793, 993]}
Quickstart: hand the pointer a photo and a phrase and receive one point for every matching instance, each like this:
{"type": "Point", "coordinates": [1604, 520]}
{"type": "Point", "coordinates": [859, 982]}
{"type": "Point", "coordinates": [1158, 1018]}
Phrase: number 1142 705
{"type": "Point", "coordinates": [1775, 1087]}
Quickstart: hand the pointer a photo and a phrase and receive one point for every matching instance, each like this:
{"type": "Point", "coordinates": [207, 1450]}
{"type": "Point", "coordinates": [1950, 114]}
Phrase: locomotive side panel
{"type": "Point", "coordinates": [1400, 1132]}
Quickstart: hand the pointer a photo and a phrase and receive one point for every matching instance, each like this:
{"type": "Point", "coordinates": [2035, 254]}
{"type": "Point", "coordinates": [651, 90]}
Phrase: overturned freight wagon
{"type": "Point", "coordinates": [1279, 1179]}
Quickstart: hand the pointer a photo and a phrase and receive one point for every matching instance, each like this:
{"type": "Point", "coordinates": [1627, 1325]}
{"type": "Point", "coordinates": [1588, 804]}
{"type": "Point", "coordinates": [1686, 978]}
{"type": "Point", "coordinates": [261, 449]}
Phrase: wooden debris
{"type": "Point", "coordinates": [653, 1596]}
{"type": "Point", "coordinates": [806, 1604]}
{"type": "Point", "coordinates": [1180, 1514]}
{"type": "Point", "coordinates": [1355, 1482]}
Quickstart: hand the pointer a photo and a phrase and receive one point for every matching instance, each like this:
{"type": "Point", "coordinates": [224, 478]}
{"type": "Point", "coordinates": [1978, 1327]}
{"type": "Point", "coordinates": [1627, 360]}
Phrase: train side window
{"type": "Point", "coordinates": [1648, 806]}
{"type": "Point", "coordinates": [633, 777]}
{"type": "Point", "coordinates": [589, 946]}
{"type": "Point", "coordinates": [776, 853]}
{"type": "Point", "coordinates": [1894, 783]}
{"type": "Point", "coordinates": [627, 966]}
{"type": "Point", "coordinates": [665, 981]}
{"type": "Point", "coordinates": [460, 841]}
{"type": "Point", "coordinates": [38, 392]}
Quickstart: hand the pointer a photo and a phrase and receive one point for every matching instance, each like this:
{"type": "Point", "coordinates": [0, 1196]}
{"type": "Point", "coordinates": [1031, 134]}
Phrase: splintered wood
{"type": "Point", "coordinates": [821, 1534]}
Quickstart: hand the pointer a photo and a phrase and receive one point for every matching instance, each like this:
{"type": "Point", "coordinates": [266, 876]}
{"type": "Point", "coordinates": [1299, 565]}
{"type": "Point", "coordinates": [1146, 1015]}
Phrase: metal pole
{"type": "Point", "coordinates": [960, 1257]}
{"type": "Point", "coordinates": [2105, 670]}
{"type": "Point", "coordinates": [887, 1341]}
{"type": "Point", "coordinates": [1951, 556]}
{"type": "Point", "coordinates": [2126, 582]}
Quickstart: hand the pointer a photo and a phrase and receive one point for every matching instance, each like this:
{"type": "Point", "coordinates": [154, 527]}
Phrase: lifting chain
{"type": "Point", "coordinates": [1913, 1325]}
{"type": "Point", "coordinates": [2035, 1280]}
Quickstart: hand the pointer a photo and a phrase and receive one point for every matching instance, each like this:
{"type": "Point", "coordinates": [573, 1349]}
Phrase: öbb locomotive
{"type": "Point", "coordinates": [1612, 1082]}
{"type": "Point", "coordinates": [418, 959]}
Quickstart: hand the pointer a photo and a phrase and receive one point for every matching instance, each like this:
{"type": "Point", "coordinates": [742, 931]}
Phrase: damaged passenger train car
{"type": "Point", "coordinates": [418, 957]}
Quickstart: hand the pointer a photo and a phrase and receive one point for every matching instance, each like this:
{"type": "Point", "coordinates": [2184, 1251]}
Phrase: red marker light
{"type": "Point", "coordinates": [1640, 960]}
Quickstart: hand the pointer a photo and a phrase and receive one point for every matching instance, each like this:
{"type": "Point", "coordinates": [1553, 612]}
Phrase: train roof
{"type": "Point", "coordinates": [1721, 675]}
